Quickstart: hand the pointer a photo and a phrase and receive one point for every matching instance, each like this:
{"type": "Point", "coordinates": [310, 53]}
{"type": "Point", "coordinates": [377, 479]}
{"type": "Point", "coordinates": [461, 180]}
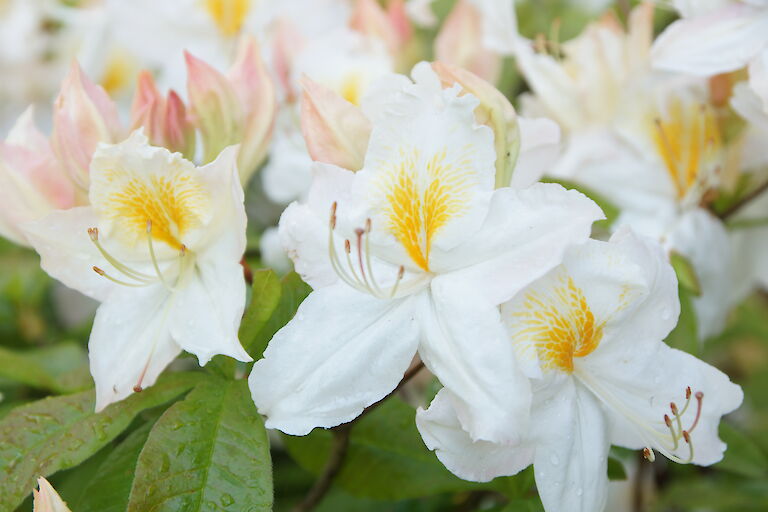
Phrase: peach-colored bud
{"type": "Point", "coordinates": [460, 43]}
{"type": "Point", "coordinates": [287, 43]}
{"type": "Point", "coordinates": [215, 107]}
{"type": "Point", "coordinates": [336, 131]}
{"type": "Point", "coordinates": [32, 183]}
{"type": "Point", "coordinates": [371, 19]}
{"type": "Point", "coordinates": [83, 116]}
{"type": "Point", "coordinates": [401, 22]}
{"type": "Point", "coordinates": [164, 119]}
{"type": "Point", "coordinates": [256, 92]}
{"type": "Point", "coordinates": [494, 111]}
{"type": "Point", "coordinates": [46, 499]}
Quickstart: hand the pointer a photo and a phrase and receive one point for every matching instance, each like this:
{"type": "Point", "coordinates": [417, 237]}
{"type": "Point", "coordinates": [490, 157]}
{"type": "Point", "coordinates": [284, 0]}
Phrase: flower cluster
{"type": "Point", "coordinates": [535, 260]}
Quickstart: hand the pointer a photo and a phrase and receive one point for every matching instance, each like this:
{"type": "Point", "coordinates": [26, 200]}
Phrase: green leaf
{"type": "Point", "coordinates": [265, 298]}
{"type": "Point", "coordinates": [685, 334]}
{"type": "Point", "coordinates": [61, 368]}
{"type": "Point", "coordinates": [386, 458]}
{"type": "Point", "coordinates": [616, 469]}
{"type": "Point", "coordinates": [58, 433]}
{"type": "Point", "coordinates": [686, 274]}
{"type": "Point", "coordinates": [108, 491]}
{"type": "Point", "coordinates": [292, 294]}
{"type": "Point", "coordinates": [207, 452]}
{"type": "Point", "coordinates": [743, 456]}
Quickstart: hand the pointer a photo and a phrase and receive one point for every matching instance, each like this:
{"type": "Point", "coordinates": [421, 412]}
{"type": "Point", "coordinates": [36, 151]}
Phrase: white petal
{"type": "Point", "coordinates": [130, 344]}
{"type": "Point", "coordinates": [702, 238]}
{"type": "Point", "coordinates": [286, 176]}
{"type": "Point", "coordinates": [207, 308]}
{"type": "Point", "coordinates": [66, 251]}
{"type": "Point", "coordinates": [646, 386]}
{"type": "Point", "coordinates": [478, 461]}
{"type": "Point", "coordinates": [342, 352]}
{"type": "Point", "coordinates": [304, 228]}
{"type": "Point", "coordinates": [523, 237]}
{"type": "Point", "coordinates": [720, 41]}
{"type": "Point", "coordinates": [499, 25]}
{"type": "Point", "coordinates": [758, 77]}
{"type": "Point", "coordinates": [466, 347]}
{"type": "Point", "coordinates": [570, 463]}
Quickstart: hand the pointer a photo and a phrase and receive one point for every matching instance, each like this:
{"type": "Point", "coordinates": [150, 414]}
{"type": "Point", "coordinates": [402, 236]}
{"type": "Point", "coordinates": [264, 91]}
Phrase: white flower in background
{"type": "Point", "coordinates": [717, 36]}
{"type": "Point", "coordinates": [589, 334]}
{"type": "Point", "coordinates": [413, 253]}
{"type": "Point", "coordinates": [46, 499]}
{"type": "Point", "coordinates": [649, 142]}
{"type": "Point", "coordinates": [160, 247]}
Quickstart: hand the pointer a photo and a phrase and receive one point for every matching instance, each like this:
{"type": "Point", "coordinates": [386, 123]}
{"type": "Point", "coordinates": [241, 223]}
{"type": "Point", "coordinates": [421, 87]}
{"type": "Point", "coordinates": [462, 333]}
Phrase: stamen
{"type": "Point", "coordinates": [648, 454]}
{"type": "Point", "coordinates": [687, 438]}
{"type": "Point", "coordinates": [93, 233]}
{"type": "Point", "coordinates": [154, 259]}
{"type": "Point", "coordinates": [117, 281]}
{"type": "Point", "coordinates": [699, 400]}
{"type": "Point", "coordinates": [400, 274]}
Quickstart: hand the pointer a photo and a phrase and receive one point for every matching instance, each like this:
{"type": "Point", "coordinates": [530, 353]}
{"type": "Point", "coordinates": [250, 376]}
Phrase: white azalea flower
{"type": "Point", "coordinates": [413, 253]}
{"type": "Point", "coordinates": [46, 499]}
{"type": "Point", "coordinates": [717, 36]}
{"type": "Point", "coordinates": [160, 248]}
{"type": "Point", "coordinates": [589, 334]}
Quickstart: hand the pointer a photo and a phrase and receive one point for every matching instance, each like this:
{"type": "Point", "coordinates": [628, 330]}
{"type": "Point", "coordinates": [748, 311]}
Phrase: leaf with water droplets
{"type": "Point", "coordinates": [58, 433]}
{"type": "Point", "coordinates": [207, 452]}
{"type": "Point", "coordinates": [61, 368]}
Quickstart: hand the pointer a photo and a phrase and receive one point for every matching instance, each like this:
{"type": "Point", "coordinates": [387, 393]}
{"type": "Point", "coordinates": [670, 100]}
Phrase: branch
{"type": "Point", "coordinates": [741, 203]}
{"type": "Point", "coordinates": [339, 448]}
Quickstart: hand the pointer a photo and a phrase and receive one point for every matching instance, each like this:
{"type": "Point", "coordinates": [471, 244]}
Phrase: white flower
{"type": "Point", "coordinates": [590, 334]}
{"type": "Point", "coordinates": [160, 247]}
{"type": "Point", "coordinates": [412, 253]}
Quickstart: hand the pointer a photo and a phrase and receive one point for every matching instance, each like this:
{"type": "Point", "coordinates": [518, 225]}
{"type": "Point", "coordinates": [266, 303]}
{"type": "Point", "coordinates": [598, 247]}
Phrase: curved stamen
{"type": "Point", "coordinates": [93, 233]}
{"type": "Point", "coordinates": [160, 275]}
{"type": "Point", "coordinates": [117, 281]}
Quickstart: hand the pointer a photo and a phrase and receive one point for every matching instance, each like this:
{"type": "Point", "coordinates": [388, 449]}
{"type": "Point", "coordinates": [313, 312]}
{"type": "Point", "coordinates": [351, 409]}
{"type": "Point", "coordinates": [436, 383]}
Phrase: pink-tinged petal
{"type": "Point", "coordinates": [478, 461]}
{"type": "Point", "coordinates": [256, 90]}
{"type": "Point", "coordinates": [214, 107]}
{"type": "Point", "coordinates": [343, 351]}
{"type": "Point", "coordinates": [336, 131]}
{"type": "Point", "coordinates": [398, 17]}
{"type": "Point", "coordinates": [459, 43]}
{"type": "Point", "coordinates": [83, 116]}
{"type": "Point", "coordinates": [178, 130]}
{"type": "Point", "coordinates": [721, 41]}
{"type": "Point", "coordinates": [148, 108]}
{"type": "Point", "coordinates": [46, 499]}
{"type": "Point", "coordinates": [370, 19]}
{"type": "Point", "coordinates": [288, 42]}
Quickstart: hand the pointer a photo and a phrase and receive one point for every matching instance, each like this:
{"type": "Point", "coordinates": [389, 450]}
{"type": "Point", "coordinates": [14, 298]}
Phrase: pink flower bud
{"type": "Point", "coordinates": [287, 43]}
{"type": "Point", "coordinates": [83, 116]}
{"type": "Point", "coordinates": [336, 131]}
{"type": "Point", "coordinates": [370, 19]}
{"type": "Point", "coordinates": [460, 43]}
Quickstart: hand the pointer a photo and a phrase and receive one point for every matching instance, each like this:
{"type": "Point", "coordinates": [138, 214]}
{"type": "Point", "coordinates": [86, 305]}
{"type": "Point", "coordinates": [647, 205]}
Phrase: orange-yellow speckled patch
{"type": "Point", "coordinates": [173, 203]}
{"type": "Point", "coordinates": [560, 327]}
{"type": "Point", "coordinates": [229, 15]}
{"type": "Point", "coordinates": [686, 137]}
{"type": "Point", "coordinates": [421, 197]}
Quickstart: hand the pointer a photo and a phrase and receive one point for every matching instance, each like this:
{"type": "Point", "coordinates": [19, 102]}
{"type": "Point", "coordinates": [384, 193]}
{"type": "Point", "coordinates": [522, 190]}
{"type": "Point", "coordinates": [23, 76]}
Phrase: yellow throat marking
{"type": "Point", "coordinates": [420, 198]}
{"type": "Point", "coordinates": [560, 327]}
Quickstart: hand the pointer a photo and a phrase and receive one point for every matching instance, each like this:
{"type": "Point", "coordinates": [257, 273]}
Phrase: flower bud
{"type": "Point", "coordinates": [164, 120]}
{"type": "Point", "coordinates": [335, 130]}
{"type": "Point", "coordinates": [494, 111]}
{"type": "Point", "coordinates": [370, 19]}
{"type": "Point", "coordinates": [46, 499]}
{"type": "Point", "coordinates": [256, 92]}
{"type": "Point", "coordinates": [83, 116]}
{"type": "Point", "coordinates": [460, 43]}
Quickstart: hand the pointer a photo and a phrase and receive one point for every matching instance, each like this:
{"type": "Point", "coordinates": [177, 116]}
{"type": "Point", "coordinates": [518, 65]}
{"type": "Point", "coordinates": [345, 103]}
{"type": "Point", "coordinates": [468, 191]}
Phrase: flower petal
{"type": "Point", "coordinates": [571, 450]}
{"type": "Point", "coordinates": [130, 343]}
{"type": "Point", "coordinates": [342, 352]}
{"type": "Point", "coordinates": [466, 347]}
{"type": "Point", "coordinates": [717, 42]}
{"type": "Point", "coordinates": [478, 461]}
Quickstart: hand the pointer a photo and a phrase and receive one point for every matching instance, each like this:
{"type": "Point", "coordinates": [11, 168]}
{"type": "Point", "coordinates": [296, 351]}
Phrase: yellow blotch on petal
{"type": "Point", "coordinates": [229, 15]}
{"type": "Point", "coordinates": [560, 327]}
{"type": "Point", "coordinates": [421, 197]}
{"type": "Point", "coordinates": [118, 73]}
{"type": "Point", "coordinates": [688, 140]}
{"type": "Point", "coordinates": [173, 204]}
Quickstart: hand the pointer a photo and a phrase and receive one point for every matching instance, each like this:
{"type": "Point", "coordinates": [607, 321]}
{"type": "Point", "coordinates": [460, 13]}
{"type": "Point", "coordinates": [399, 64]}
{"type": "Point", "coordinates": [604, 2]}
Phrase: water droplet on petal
{"type": "Point", "coordinates": [554, 459]}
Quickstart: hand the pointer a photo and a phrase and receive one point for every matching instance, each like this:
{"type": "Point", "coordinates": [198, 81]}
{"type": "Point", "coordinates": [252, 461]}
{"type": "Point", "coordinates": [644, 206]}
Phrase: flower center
{"type": "Point", "coordinates": [420, 198]}
{"type": "Point", "coordinates": [229, 15]}
{"type": "Point", "coordinates": [560, 326]}
{"type": "Point", "coordinates": [688, 141]}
